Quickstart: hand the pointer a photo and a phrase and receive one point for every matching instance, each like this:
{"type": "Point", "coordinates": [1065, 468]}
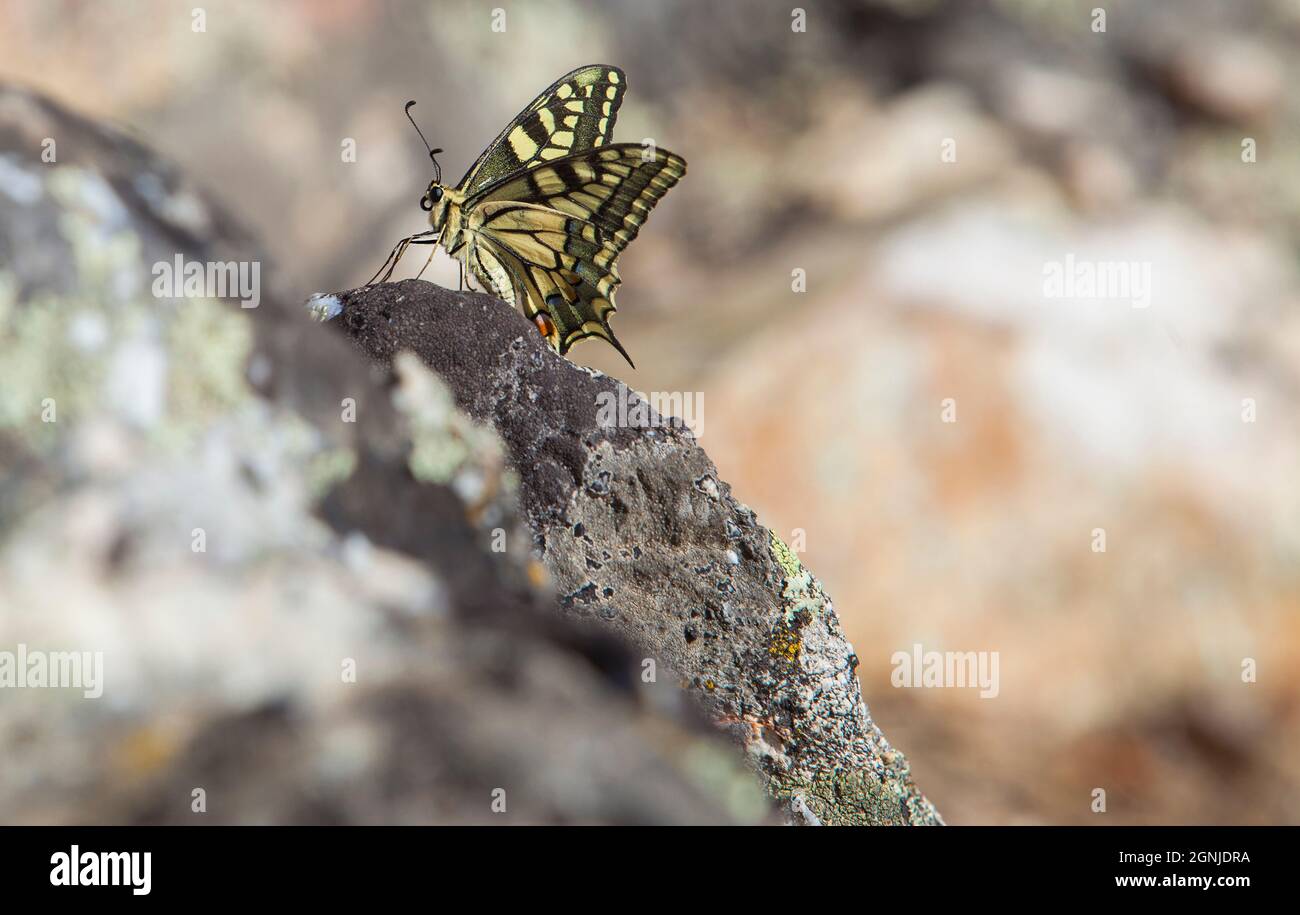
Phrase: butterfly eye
{"type": "Point", "coordinates": [437, 194]}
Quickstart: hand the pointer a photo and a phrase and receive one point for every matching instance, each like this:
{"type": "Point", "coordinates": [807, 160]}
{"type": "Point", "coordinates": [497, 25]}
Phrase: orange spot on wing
{"type": "Point", "coordinates": [544, 323]}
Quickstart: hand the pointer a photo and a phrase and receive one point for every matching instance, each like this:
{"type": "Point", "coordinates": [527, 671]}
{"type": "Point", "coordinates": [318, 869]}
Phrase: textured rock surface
{"type": "Point", "coordinates": [641, 535]}
{"type": "Point", "coordinates": [136, 429]}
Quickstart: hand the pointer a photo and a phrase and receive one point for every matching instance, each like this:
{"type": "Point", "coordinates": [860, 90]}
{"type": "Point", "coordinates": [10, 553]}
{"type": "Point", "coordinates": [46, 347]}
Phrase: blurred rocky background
{"type": "Point", "coordinates": [921, 162]}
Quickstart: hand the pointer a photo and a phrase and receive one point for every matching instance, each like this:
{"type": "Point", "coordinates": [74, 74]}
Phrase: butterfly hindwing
{"type": "Point", "coordinates": [550, 239]}
{"type": "Point", "coordinates": [576, 113]}
{"type": "Point", "coordinates": [553, 262]}
{"type": "Point", "coordinates": [559, 228]}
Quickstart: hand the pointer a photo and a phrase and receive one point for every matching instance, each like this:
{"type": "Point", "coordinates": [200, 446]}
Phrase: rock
{"type": "Point", "coordinates": [639, 535]}
{"type": "Point", "coordinates": [1234, 79]}
{"type": "Point", "coordinates": [279, 615]}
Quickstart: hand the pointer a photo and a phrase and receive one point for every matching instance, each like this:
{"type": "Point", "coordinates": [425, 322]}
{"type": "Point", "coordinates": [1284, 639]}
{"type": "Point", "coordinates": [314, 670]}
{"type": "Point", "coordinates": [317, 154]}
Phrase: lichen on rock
{"type": "Point", "coordinates": [640, 535]}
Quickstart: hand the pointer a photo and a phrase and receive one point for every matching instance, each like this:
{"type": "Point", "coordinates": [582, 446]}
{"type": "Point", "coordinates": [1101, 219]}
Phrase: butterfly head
{"type": "Point", "coordinates": [434, 202]}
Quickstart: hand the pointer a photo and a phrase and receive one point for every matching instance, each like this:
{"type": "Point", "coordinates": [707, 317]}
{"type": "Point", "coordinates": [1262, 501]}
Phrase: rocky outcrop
{"type": "Point", "coordinates": [640, 535]}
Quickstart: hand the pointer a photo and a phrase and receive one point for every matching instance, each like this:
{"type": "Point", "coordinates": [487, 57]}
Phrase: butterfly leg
{"type": "Point", "coordinates": [393, 257]}
{"type": "Point", "coordinates": [396, 255]}
{"type": "Point", "coordinates": [390, 262]}
{"type": "Point", "coordinates": [427, 261]}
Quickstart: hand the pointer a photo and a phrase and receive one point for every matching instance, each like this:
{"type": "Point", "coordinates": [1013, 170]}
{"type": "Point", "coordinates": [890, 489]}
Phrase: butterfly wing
{"type": "Point", "coordinates": [548, 262]}
{"type": "Point", "coordinates": [575, 113]}
{"type": "Point", "coordinates": [554, 233]}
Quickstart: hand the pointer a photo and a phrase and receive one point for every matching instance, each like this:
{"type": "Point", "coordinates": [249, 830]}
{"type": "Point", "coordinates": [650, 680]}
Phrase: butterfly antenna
{"type": "Point", "coordinates": [432, 152]}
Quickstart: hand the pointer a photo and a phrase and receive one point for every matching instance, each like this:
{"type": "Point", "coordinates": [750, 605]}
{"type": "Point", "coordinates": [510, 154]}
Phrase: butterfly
{"type": "Point", "coordinates": [544, 212]}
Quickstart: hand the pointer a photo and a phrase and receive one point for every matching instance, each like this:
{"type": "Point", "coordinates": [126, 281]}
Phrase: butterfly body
{"type": "Point", "coordinates": [447, 217]}
{"type": "Point", "coordinates": [541, 217]}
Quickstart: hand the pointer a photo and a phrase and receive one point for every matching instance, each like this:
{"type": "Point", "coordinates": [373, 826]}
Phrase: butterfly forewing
{"type": "Point", "coordinates": [614, 187]}
{"type": "Point", "coordinates": [576, 113]}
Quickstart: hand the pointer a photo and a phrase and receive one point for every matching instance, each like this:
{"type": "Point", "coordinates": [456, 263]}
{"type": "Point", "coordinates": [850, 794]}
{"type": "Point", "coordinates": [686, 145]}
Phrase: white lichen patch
{"type": "Point", "coordinates": [106, 252]}
{"type": "Point", "coordinates": [21, 185]}
{"type": "Point", "coordinates": [136, 382]}
{"type": "Point", "coordinates": [182, 207]}
{"type": "Point", "coordinates": [799, 591]}
{"type": "Point", "coordinates": [88, 331]}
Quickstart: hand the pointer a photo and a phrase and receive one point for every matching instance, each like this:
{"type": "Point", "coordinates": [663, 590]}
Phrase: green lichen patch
{"type": "Point", "coordinates": [800, 591]}
{"type": "Point", "coordinates": [104, 348]}
{"type": "Point", "coordinates": [447, 447]}
{"type": "Point", "coordinates": [209, 344]}
{"type": "Point", "coordinates": [45, 381]}
{"type": "Point", "coordinates": [784, 556]}
{"type": "Point", "coordinates": [843, 797]}
{"type": "Point", "coordinates": [718, 774]}
{"type": "Point", "coordinates": [327, 469]}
